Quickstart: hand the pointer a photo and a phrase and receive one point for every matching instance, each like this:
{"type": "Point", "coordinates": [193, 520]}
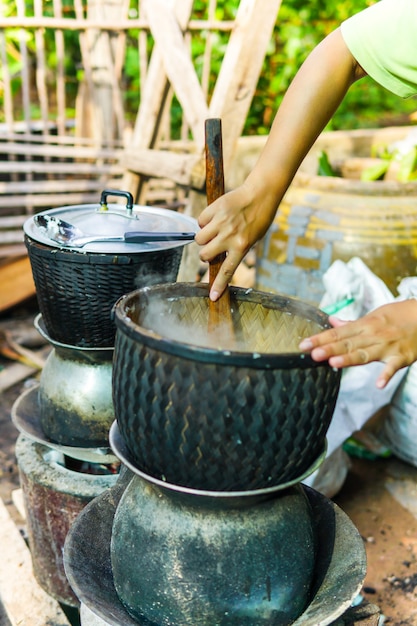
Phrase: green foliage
{"type": "Point", "coordinates": [324, 166]}
{"type": "Point", "coordinates": [375, 172]}
{"type": "Point", "coordinates": [300, 27]}
{"type": "Point", "coordinates": [402, 163]}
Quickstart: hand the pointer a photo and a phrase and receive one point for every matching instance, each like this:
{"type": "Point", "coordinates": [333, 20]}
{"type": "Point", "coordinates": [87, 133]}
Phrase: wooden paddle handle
{"type": "Point", "coordinates": [219, 311]}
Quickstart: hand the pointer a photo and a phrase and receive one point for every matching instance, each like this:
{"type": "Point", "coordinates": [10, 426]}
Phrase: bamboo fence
{"type": "Point", "coordinates": [76, 80]}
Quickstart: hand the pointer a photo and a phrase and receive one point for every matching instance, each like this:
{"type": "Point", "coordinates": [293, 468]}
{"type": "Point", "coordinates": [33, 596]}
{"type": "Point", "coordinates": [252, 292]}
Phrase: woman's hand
{"type": "Point", "coordinates": [387, 334]}
{"type": "Point", "coordinates": [232, 224]}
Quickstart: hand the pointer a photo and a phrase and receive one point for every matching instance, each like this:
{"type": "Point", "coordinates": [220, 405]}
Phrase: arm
{"type": "Point", "coordinates": [234, 222]}
{"type": "Point", "coordinates": [388, 334]}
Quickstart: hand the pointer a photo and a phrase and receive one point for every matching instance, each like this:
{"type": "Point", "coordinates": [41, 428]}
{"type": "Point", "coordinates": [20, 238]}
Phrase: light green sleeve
{"type": "Point", "coordinates": [383, 39]}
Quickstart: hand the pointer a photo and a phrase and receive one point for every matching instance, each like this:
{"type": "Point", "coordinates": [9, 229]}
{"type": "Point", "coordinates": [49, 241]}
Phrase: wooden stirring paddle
{"type": "Point", "coordinates": [220, 312]}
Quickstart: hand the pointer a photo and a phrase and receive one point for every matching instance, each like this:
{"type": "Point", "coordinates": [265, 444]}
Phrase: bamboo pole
{"type": "Point", "coordinates": [41, 70]}
{"type": "Point", "coordinates": [80, 23]}
{"type": "Point", "coordinates": [60, 73]}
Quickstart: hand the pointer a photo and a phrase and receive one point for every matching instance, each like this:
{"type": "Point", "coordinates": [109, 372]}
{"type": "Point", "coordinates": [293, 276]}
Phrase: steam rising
{"type": "Point", "coordinates": [257, 329]}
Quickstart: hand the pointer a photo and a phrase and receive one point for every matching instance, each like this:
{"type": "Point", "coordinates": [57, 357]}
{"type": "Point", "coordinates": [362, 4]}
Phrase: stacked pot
{"type": "Point", "coordinates": [63, 449]}
{"type": "Point", "coordinates": [209, 522]}
{"type": "Point", "coordinates": [219, 431]}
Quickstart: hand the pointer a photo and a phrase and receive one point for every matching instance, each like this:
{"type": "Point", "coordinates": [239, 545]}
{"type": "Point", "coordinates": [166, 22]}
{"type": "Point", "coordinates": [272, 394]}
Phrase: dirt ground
{"type": "Point", "coordinates": [389, 531]}
{"type": "Point", "coordinates": [379, 496]}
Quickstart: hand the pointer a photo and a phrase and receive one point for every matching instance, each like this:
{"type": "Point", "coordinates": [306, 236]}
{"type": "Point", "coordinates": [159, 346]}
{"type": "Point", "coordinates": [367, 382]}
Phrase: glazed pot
{"type": "Point", "coordinates": [327, 218]}
{"type": "Point", "coordinates": [212, 418]}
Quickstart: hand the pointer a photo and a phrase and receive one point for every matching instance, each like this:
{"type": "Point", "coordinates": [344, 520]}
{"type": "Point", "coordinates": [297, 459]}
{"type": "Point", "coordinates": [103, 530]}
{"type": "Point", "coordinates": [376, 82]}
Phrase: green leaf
{"type": "Point", "coordinates": [408, 166]}
{"type": "Point", "coordinates": [325, 168]}
{"type": "Point", "coordinates": [375, 172]}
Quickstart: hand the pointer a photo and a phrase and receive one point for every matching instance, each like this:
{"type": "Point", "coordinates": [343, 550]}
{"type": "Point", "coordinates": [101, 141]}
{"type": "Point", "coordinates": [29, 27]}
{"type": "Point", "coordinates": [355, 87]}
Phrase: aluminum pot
{"type": "Point", "coordinates": [74, 396]}
{"type": "Point", "coordinates": [212, 418]}
{"type": "Point", "coordinates": [77, 287]}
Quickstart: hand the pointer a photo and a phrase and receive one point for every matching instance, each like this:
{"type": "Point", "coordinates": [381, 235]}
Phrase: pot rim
{"type": "Point", "coordinates": [282, 360]}
{"type": "Point", "coordinates": [103, 351]}
{"type": "Point", "coordinates": [119, 222]}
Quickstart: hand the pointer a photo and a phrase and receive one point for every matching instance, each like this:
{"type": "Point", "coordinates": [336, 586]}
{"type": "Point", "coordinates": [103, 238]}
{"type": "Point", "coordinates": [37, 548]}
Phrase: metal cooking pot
{"type": "Point", "coordinates": [76, 288]}
{"type": "Point", "coordinates": [75, 403]}
{"type": "Point", "coordinates": [203, 560]}
{"type": "Point", "coordinates": [213, 419]}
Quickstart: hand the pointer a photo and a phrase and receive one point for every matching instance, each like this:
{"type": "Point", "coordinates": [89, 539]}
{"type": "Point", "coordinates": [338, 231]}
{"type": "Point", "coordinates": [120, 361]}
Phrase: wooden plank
{"type": "Point", "coordinates": [14, 374]}
{"type": "Point", "coordinates": [50, 200]}
{"type": "Point", "coordinates": [104, 53]}
{"type": "Point", "coordinates": [16, 283]}
{"type": "Point", "coordinates": [178, 66]}
{"type": "Point", "coordinates": [17, 499]}
{"type": "Point", "coordinates": [6, 78]}
{"type": "Point", "coordinates": [59, 167]}
{"type": "Point", "coordinates": [11, 236]}
{"type": "Point", "coordinates": [12, 221]}
{"type": "Point", "coordinates": [41, 68]}
{"type": "Point", "coordinates": [154, 94]}
{"type": "Point", "coordinates": [162, 164]}
{"type": "Point", "coordinates": [11, 251]}
{"type": "Point", "coordinates": [23, 600]}
{"type": "Point", "coordinates": [48, 186]}
{"type": "Point", "coordinates": [240, 69]}
{"type": "Point", "coordinates": [69, 23]}
{"type": "Point", "coordinates": [24, 138]}
{"type": "Point", "coordinates": [234, 89]}
{"type": "Point", "coordinates": [18, 371]}
{"type": "Point", "coordinates": [59, 152]}
{"type": "Point", "coordinates": [25, 71]}
{"type": "Point", "coordinates": [60, 72]}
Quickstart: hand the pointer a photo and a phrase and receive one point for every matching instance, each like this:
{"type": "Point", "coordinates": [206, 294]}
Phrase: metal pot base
{"type": "Point", "coordinates": [26, 417]}
{"type": "Point", "coordinates": [339, 572]}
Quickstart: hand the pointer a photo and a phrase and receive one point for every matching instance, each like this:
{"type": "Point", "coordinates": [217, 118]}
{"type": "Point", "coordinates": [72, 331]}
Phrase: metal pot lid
{"type": "Point", "coordinates": [105, 219]}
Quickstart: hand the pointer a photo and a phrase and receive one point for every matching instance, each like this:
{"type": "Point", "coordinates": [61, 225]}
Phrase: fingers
{"type": "Point", "coordinates": [218, 236]}
{"type": "Point", "coordinates": [224, 275]}
{"type": "Point", "coordinates": [343, 347]}
{"type": "Point", "coordinates": [392, 365]}
{"type": "Point", "coordinates": [325, 338]}
{"type": "Point", "coordinates": [337, 322]}
{"type": "Point", "coordinates": [342, 354]}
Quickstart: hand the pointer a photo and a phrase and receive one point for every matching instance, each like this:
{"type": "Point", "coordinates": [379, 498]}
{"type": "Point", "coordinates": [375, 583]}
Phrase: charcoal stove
{"type": "Point", "coordinates": [247, 544]}
{"type": "Point", "coordinates": [55, 490]}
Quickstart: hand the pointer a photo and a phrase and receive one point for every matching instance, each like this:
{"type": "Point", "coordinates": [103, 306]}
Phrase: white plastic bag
{"type": "Point", "coordinates": [359, 398]}
{"type": "Point", "coordinates": [399, 429]}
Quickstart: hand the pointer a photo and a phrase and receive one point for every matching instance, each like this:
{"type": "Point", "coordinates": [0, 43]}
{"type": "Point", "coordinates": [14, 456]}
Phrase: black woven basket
{"type": "Point", "coordinates": [213, 419]}
{"type": "Point", "coordinates": [76, 291]}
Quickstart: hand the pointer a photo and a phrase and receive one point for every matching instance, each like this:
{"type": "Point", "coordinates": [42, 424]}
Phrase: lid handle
{"type": "Point", "coordinates": [116, 192]}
